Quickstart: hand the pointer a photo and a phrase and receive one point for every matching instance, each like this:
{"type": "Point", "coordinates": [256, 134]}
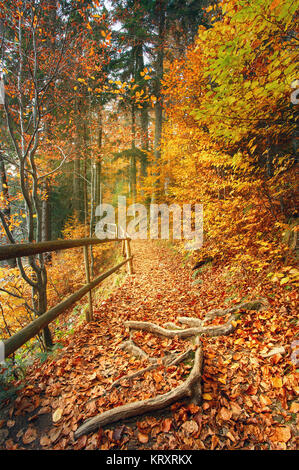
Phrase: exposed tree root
{"type": "Point", "coordinates": [177, 360]}
{"type": "Point", "coordinates": [133, 349]}
{"type": "Point", "coordinates": [160, 331]}
{"type": "Point", "coordinates": [170, 325]}
{"type": "Point", "coordinates": [250, 305]}
{"type": "Point", "coordinates": [169, 360]}
{"type": "Point", "coordinates": [225, 329]}
{"type": "Point", "coordinates": [190, 321]}
{"type": "Point", "coordinates": [134, 375]}
{"type": "Point", "coordinates": [190, 388]}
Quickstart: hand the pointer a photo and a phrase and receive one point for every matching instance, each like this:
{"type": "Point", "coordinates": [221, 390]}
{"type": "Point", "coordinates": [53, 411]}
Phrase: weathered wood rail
{"type": "Point", "coordinates": [29, 249]}
{"type": "Point", "coordinates": [17, 250]}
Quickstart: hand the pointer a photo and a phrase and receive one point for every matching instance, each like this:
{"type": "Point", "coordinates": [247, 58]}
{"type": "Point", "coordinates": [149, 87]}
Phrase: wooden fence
{"type": "Point", "coordinates": [28, 249]}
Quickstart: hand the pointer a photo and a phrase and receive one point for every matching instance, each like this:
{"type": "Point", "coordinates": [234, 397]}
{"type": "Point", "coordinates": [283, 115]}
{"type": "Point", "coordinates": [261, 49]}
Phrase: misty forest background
{"type": "Point", "coordinates": [164, 101]}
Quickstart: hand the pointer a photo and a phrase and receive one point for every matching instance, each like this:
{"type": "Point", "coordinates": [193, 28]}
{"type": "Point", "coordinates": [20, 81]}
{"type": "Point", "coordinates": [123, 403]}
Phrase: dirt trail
{"type": "Point", "coordinates": [159, 290]}
{"type": "Point", "coordinates": [74, 385]}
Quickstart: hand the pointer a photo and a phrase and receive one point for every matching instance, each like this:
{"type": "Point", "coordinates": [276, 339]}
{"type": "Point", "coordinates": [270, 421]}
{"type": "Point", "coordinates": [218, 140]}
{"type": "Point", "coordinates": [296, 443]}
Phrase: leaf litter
{"type": "Point", "coordinates": [248, 397]}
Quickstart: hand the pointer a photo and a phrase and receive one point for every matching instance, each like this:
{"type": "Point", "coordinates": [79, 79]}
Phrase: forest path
{"type": "Point", "coordinates": [159, 290]}
{"type": "Point", "coordinates": [248, 400]}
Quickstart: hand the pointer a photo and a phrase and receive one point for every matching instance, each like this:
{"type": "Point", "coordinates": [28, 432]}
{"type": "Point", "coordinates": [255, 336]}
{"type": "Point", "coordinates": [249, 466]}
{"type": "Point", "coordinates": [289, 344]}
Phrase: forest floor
{"type": "Point", "coordinates": [248, 389]}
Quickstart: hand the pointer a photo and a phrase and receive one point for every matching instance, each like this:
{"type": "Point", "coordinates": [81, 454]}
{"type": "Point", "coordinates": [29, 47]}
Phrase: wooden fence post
{"type": "Point", "coordinates": [89, 312]}
{"type": "Point", "coordinates": [128, 255]}
{"type": "Point", "coordinates": [21, 337]}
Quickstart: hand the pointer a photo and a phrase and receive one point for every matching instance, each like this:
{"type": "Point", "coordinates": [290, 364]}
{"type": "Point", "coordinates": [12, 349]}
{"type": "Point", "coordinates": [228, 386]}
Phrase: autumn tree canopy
{"type": "Point", "coordinates": [165, 102]}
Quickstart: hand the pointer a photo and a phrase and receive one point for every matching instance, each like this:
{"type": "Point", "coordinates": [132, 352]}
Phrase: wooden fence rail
{"type": "Point", "coordinates": [17, 250]}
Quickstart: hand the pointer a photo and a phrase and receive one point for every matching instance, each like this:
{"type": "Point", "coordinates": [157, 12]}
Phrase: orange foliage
{"type": "Point", "coordinates": [228, 141]}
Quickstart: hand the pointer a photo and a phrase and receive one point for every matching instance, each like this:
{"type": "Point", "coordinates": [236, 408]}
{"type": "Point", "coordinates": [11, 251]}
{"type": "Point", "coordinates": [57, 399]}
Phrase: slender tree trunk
{"type": "Point", "coordinates": [98, 162]}
{"type": "Point", "coordinates": [77, 167]}
{"type": "Point", "coordinates": [5, 191]}
{"type": "Point", "coordinates": [46, 214]}
{"type": "Point", "coordinates": [76, 186]}
{"type": "Point", "coordinates": [85, 158]}
{"type": "Point", "coordinates": [144, 118]}
{"type": "Point", "coordinates": [144, 115]}
{"type": "Point", "coordinates": [133, 172]}
{"type": "Point", "coordinates": [159, 104]}
{"type": "Point", "coordinates": [95, 190]}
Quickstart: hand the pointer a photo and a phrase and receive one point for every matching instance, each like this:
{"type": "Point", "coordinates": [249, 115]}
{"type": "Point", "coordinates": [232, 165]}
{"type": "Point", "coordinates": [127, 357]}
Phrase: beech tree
{"type": "Point", "coordinates": [38, 44]}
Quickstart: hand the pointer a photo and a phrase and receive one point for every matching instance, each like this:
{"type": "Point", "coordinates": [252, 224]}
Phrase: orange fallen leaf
{"type": "Point", "coordinates": [225, 414]}
{"type": "Point", "coordinates": [274, 4]}
{"type": "Point", "coordinates": [265, 400]}
{"type": "Point", "coordinates": [277, 382]}
{"type": "Point", "coordinates": [29, 436]}
{"type": "Point", "coordinates": [237, 356]}
{"type": "Point", "coordinates": [44, 441]}
{"type": "Point", "coordinates": [190, 427]}
{"type": "Point", "coordinates": [281, 434]}
{"type": "Point", "coordinates": [54, 434]}
{"type": "Point", "coordinates": [236, 409]}
{"type": "Point", "coordinates": [230, 436]}
{"type": "Point", "coordinates": [158, 377]}
{"type": "Point", "coordinates": [57, 415]}
{"type": "Point", "coordinates": [143, 438]}
{"type": "Point", "coordinates": [214, 442]}
{"type": "Point", "coordinates": [193, 408]}
{"type": "Point", "coordinates": [294, 407]}
{"type": "Point", "coordinates": [81, 443]}
{"type": "Point", "coordinates": [166, 425]}
{"type": "Point", "coordinates": [207, 396]}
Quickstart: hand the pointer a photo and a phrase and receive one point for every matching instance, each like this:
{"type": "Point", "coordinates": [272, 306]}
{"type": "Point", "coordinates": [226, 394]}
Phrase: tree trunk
{"type": "Point", "coordinates": [144, 118]}
{"type": "Point", "coordinates": [5, 191]}
{"type": "Point", "coordinates": [159, 104]}
{"type": "Point", "coordinates": [77, 203]}
{"type": "Point", "coordinates": [98, 162]}
{"type": "Point", "coordinates": [85, 158]}
{"type": "Point", "coordinates": [76, 186]}
{"type": "Point", "coordinates": [46, 214]}
{"type": "Point", "coordinates": [133, 169]}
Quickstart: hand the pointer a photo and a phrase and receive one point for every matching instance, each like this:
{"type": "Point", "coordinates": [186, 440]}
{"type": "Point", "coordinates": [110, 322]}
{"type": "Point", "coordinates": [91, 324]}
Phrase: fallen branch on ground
{"type": "Point", "coordinates": [190, 321]}
{"type": "Point", "coordinates": [169, 360]}
{"type": "Point", "coordinates": [218, 330]}
{"type": "Point", "coordinates": [190, 388]}
{"type": "Point", "coordinates": [170, 325]}
{"type": "Point", "coordinates": [132, 348]}
{"type": "Point", "coordinates": [250, 305]}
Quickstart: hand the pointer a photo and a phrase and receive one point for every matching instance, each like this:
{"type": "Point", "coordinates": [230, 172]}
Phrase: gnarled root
{"type": "Point", "coordinates": [190, 388]}
{"type": "Point", "coordinates": [190, 321]}
{"type": "Point", "coordinates": [130, 347]}
{"type": "Point", "coordinates": [218, 330]}
{"type": "Point", "coordinates": [169, 360]}
{"type": "Point", "coordinates": [250, 305]}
